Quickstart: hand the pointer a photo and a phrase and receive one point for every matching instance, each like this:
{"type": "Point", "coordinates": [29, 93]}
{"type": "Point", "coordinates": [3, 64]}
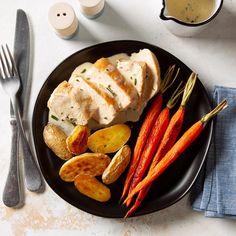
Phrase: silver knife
{"type": "Point", "coordinates": [33, 176]}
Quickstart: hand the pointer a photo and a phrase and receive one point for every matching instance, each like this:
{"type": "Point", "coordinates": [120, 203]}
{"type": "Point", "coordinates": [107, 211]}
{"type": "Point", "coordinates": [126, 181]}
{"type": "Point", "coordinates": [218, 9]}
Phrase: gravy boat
{"type": "Point", "coordinates": [185, 29]}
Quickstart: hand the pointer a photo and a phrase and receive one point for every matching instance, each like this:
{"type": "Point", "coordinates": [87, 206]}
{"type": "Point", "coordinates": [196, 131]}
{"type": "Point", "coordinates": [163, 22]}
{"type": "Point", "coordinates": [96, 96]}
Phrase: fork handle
{"type": "Point", "coordinates": [33, 176]}
{"type": "Point", "coordinates": [11, 193]}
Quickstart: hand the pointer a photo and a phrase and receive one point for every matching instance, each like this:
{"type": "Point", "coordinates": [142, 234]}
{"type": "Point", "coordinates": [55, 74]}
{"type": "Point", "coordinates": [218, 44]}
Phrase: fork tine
{"type": "Point", "coordinates": [4, 73]}
{"type": "Point", "coordinates": [7, 62]}
{"type": "Point", "coordinates": [14, 68]}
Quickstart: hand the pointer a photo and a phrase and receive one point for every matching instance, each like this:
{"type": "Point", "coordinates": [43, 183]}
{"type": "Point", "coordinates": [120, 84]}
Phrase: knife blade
{"type": "Point", "coordinates": [22, 56]}
{"type": "Point", "coordinates": [33, 177]}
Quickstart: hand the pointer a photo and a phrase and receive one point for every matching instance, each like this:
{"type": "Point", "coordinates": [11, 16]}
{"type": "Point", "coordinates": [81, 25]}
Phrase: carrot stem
{"type": "Point", "coordinates": [175, 96]}
{"type": "Point", "coordinates": [168, 81]}
{"type": "Point", "coordinates": [189, 88]}
{"type": "Point", "coordinates": [215, 111]}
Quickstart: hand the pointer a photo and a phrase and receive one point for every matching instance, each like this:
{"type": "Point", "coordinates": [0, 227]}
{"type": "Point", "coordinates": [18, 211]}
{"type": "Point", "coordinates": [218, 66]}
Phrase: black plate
{"type": "Point", "coordinates": [172, 185]}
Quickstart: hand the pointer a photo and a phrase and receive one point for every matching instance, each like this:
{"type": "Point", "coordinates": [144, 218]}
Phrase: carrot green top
{"type": "Point", "coordinates": [215, 111]}
{"type": "Point", "coordinates": [168, 81]}
{"type": "Point", "coordinates": [175, 96]}
{"type": "Point", "coordinates": [188, 88]}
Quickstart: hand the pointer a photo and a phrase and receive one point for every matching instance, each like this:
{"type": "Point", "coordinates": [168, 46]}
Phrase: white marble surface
{"type": "Point", "coordinates": [212, 54]}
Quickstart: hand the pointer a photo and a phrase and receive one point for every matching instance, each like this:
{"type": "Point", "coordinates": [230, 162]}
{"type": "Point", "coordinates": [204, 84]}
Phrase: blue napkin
{"type": "Point", "coordinates": [214, 192]}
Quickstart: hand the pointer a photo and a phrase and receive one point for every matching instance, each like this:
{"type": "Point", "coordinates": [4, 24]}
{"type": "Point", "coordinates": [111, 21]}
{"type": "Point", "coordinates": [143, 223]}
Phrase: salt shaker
{"type": "Point", "coordinates": [63, 20]}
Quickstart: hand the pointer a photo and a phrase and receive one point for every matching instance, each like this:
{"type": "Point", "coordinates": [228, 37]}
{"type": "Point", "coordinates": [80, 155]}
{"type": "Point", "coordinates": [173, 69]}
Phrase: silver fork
{"type": "Point", "coordinates": [10, 81]}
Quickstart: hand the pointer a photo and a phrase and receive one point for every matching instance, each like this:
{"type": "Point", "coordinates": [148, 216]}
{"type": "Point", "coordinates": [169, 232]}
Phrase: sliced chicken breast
{"type": "Point", "coordinates": [135, 72]}
{"type": "Point", "coordinates": [111, 90]}
{"type": "Point", "coordinates": [107, 107]}
{"type": "Point", "coordinates": [106, 74]}
{"type": "Point", "coordinates": [153, 71]}
{"type": "Point", "coordinates": [72, 104]}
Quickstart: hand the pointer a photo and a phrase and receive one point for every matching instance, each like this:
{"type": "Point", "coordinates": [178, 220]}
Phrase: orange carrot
{"type": "Point", "coordinates": [167, 142]}
{"type": "Point", "coordinates": [179, 147]}
{"type": "Point", "coordinates": [150, 118]}
{"type": "Point", "coordinates": [143, 134]}
{"type": "Point", "coordinates": [152, 142]}
{"type": "Point", "coordinates": [175, 124]}
{"type": "Point", "coordinates": [154, 139]}
{"type": "Point", "coordinates": [173, 131]}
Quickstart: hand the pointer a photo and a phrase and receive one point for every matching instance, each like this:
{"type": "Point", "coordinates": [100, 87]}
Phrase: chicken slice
{"type": "Point", "coordinates": [135, 72]}
{"type": "Point", "coordinates": [153, 71]}
{"type": "Point", "coordinates": [106, 74]}
{"type": "Point", "coordinates": [72, 104]}
{"type": "Point", "coordinates": [107, 107]}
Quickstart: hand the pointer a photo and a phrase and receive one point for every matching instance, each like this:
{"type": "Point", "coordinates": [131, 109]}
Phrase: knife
{"type": "Point", "coordinates": [33, 176]}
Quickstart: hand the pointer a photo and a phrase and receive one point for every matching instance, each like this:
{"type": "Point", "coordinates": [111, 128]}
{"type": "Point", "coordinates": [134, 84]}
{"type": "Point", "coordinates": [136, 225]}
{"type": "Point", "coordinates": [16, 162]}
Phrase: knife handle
{"type": "Point", "coordinates": [11, 193]}
{"type": "Point", "coordinates": [33, 176]}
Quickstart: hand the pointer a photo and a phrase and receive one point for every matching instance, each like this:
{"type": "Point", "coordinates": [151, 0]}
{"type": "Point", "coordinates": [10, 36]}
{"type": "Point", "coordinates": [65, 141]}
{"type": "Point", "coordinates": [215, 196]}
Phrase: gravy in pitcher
{"type": "Point", "coordinates": [190, 11]}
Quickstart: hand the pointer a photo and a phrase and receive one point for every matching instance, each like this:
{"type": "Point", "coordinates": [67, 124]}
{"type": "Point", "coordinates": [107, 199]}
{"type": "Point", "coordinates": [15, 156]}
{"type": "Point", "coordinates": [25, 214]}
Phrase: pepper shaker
{"type": "Point", "coordinates": [92, 8]}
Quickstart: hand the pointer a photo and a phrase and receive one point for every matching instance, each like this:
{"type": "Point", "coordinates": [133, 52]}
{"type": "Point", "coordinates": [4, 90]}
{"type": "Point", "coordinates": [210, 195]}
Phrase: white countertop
{"type": "Point", "coordinates": [212, 54]}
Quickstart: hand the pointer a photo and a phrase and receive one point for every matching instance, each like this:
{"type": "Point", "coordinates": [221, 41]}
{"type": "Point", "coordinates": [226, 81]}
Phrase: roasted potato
{"type": "Point", "coordinates": [109, 140]}
{"type": "Point", "coordinates": [91, 187]}
{"type": "Point", "coordinates": [88, 163]}
{"type": "Point", "coordinates": [77, 140]}
{"type": "Point", "coordinates": [55, 139]}
{"type": "Point", "coordinates": [117, 165]}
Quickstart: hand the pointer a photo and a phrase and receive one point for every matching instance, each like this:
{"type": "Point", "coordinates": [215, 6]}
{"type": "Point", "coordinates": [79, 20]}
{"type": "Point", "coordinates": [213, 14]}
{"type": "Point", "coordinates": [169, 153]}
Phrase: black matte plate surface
{"type": "Point", "coordinates": [173, 184]}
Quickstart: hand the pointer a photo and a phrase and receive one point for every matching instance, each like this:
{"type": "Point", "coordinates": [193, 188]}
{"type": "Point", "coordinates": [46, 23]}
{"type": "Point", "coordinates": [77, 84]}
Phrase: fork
{"type": "Point", "coordinates": [10, 81]}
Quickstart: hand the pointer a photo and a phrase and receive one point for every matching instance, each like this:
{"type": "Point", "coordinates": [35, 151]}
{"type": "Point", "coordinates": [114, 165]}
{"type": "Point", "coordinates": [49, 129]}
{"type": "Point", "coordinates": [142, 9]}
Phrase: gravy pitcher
{"type": "Point", "coordinates": [188, 17]}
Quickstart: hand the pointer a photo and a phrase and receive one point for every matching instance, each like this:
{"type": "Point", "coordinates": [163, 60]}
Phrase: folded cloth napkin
{"type": "Point", "coordinates": [214, 192]}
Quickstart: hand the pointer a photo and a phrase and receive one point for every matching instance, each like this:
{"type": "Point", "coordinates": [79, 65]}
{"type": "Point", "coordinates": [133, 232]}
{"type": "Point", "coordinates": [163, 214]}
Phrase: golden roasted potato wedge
{"type": "Point", "coordinates": [55, 139]}
{"type": "Point", "coordinates": [109, 140]}
{"type": "Point", "coordinates": [77, 140]}
{"type": "Point", "coordinates": [88, 163]}
{"type": "Point", "coordinates": [117, 165]}
{"type": "Point", "coordinates": [91, 187]}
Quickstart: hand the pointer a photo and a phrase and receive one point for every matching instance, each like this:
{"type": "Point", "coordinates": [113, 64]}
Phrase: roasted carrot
{"type": "Point", "coordinates": [149, 120]}
{"type": "Point", "coordinates": [166, 143]}
{"type": "Point", "coordinates": [174, 128]}
{"type": "Point", "coordinates": [179, 147]}
{"type": "Point", "coordinates": [143, 134]}
{"type": "Point", "coordinates": [154, 139]}
{"type": "Point", "coordinates": [175, 124]}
